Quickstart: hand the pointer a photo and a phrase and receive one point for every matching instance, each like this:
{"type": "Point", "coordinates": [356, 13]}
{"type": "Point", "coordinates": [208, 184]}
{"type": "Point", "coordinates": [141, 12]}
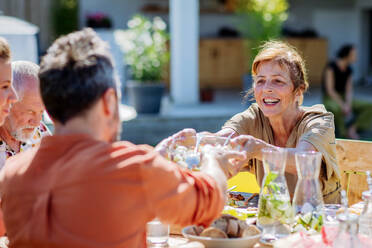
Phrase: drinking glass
{"type": "Point", "coordinates": [157, 233]}
{"type": "Point", "coordinates": [187, 153]}
{"type": "Point", "coordinates": [330, 214]}
{"type": "Point", "coordinates": [2, 156]}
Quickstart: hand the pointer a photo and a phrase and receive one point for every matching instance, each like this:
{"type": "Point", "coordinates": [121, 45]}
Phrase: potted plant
{"type": "Point", "coordinates": [64, 17]}
{"type": "Point", "coordinates": [145, 49]}
{"type": "Point", "coordinates": [259, 21]}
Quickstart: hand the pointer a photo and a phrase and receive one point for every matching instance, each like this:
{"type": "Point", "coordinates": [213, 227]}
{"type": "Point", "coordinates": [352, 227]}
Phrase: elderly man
{"type": "Point", "coordinates": [80, 188]}
{"type": "Point", "coordinates": [23, 127]}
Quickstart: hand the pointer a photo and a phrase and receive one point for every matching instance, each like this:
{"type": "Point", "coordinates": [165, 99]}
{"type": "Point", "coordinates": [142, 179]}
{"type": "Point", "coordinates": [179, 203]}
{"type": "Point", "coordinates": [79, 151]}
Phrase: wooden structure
{"type": "Point", "coordinates": [354, 159]}
{"type": "Point", "coordinates": [223, 62]}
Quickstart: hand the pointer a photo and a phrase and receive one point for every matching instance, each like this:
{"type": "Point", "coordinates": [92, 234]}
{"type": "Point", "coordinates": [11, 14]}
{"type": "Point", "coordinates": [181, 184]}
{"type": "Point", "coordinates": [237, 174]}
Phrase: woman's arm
{"type": "Point", "coordinates": [330, 87]}
{"type": "Point", "coordinates": [227, 132]}
{"type": "Point", "coordinates": [302, 146]}
{"type": "Point", "coordinates": [349, 92]}
{"type": "Point", "coordinates": [253, 146]}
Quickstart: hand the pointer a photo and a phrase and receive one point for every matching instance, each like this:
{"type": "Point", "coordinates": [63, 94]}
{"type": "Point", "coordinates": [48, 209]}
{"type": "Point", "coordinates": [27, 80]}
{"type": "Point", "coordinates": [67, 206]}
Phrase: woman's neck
{"type": "Point", "coordinates": [9, 139]}
{"type": "Point", "coordinates": [283, 125]}
{"type": "Point", "coordinates": [342, 64]}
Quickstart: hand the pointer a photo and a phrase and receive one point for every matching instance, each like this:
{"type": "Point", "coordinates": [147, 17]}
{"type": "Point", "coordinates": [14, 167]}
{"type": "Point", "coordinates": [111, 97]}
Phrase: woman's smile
{"type": "Point", "coordinates": [270, 102]}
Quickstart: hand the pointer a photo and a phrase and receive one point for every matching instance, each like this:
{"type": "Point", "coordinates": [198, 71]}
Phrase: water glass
{"type": "Point", "coordinates": [2, 156]}
{"type": "Point", "coordinates": [330, 214]}
{"type": "Point", "coordinates": [157, 233]}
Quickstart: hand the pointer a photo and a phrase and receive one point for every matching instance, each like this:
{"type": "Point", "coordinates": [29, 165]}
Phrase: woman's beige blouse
{"type": "Point", "coordinates": [315, 127]}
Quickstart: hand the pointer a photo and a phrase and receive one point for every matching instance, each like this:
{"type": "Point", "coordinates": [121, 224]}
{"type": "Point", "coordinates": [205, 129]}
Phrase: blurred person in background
{"type": "Point", "coordinates": [23, 127]}
{"type": "Point", "coordinates": [351, 116]}
{"type": "Point", "coordinates": [81, 188]}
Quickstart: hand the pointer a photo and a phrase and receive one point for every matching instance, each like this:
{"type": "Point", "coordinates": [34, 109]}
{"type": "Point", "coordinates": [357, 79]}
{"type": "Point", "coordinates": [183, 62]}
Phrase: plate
{"type": "Point", "coordinates": [247, 214]}
{"type": "Point", "coordinates": [253, 202]}
{"type": "Point", "coordinates": [221, 243]}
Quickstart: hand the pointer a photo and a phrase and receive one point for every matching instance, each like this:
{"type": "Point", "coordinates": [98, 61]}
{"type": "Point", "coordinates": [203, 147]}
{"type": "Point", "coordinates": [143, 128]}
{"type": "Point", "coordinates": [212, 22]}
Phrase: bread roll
{"type": "Point", "coordinates": [213, 232]}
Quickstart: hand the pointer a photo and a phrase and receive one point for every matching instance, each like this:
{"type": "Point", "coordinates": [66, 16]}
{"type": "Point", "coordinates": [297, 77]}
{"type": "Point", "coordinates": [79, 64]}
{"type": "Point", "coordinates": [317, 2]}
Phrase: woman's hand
{"type": "Point", "coordinates": [250, 145]}
{"type": "Point", "coordinates": [185, 137]}
{"type": "Point", "coordinates": [230, 162]}
{"type": "Point", "coordinates": [346, 109]}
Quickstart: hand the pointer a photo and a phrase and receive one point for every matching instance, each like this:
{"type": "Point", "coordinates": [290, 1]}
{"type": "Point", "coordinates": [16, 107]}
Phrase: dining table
{"type": "Point", "coordinates": [178, 241]}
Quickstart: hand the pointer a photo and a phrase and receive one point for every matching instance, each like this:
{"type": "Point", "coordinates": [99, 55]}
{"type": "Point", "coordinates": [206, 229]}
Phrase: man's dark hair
{"type": "Point", "coordinates": [74, 74]}
{"type": "Point", "coordinates": [344, 51]}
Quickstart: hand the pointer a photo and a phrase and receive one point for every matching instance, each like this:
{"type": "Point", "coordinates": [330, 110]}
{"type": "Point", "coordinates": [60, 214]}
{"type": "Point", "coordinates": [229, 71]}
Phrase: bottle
{"type": "Point", "coordinates": [347, 235]}
{"type": "Point", "coordinates": [365, 220]}
{"type": "Point", "coordinates": [275, 212]}
{"type": "Point", "coordinates": [308, 198]}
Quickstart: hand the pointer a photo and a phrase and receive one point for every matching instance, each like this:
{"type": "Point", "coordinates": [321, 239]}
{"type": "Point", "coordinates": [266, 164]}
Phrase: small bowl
{"type": "Point", "coordinates": [222, 243]}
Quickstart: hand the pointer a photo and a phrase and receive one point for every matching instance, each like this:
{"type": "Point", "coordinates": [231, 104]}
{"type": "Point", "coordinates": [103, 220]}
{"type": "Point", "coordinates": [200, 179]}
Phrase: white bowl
{"type": "Point", "coordinates": [222, 243]}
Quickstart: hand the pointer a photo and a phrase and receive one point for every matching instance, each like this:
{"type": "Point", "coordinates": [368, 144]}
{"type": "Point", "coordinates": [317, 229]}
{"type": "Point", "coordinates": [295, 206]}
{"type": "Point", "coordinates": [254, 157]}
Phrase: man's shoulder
{"type": "Point", "coordinates": [113, 153]}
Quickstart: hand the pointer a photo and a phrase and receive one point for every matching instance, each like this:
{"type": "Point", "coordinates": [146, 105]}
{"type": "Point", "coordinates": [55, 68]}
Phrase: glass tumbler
{"type": "Point", "coordinates": [157, 233]}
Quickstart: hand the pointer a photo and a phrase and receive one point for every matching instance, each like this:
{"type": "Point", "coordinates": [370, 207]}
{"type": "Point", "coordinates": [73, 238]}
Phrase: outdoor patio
{"type": "Point", "coordinates": [80, 188]}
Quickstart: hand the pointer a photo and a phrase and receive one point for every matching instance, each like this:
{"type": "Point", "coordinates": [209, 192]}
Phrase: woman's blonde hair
{"type": "Point", "coordinates": [4, 50]}
{"type": "Point", "coordinates": [284, 55]}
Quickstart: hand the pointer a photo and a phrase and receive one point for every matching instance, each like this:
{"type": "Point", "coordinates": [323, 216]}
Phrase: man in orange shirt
{"type": "Point", "coordinates": [79, 188]}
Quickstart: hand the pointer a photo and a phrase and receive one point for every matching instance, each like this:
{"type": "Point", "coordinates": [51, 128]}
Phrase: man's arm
{"type": "Point", "coordinates": [185, 197]}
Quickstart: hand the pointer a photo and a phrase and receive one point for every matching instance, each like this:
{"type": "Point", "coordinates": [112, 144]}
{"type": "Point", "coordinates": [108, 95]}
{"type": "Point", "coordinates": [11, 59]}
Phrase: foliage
{"type": "Point", "coordinates": [65, 16]}
{"type": "Point", "coordinates": [145, 47]}
{"type": "Point", "coordinates": [260, 20]}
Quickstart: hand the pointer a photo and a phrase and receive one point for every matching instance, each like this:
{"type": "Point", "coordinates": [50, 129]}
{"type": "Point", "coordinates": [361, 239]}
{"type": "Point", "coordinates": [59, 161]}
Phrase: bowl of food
{"type": "Point", "coordinates": [226, 231]}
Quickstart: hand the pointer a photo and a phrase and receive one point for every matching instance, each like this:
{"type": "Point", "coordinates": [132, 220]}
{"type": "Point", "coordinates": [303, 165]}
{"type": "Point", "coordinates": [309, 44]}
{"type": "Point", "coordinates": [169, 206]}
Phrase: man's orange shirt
{"type": "Point", "coordinates": [74, 191]}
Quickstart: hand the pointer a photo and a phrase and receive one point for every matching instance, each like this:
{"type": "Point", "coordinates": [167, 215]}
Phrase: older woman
{"type": "Point", "coordinates": [277, 119]}
{"type": "Point", "coordinates": [7, 93]}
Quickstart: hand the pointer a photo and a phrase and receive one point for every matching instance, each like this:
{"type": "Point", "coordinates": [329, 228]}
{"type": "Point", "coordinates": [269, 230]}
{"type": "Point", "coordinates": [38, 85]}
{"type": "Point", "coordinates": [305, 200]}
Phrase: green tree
{"type": "Point", "coordinates": [259, 21]}
{"type": "Point", "coordinates": [64, 16]}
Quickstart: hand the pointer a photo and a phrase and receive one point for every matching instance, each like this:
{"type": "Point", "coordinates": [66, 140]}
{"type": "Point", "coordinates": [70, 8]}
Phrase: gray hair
{"type": "Point", "coordinates": [23, 72]}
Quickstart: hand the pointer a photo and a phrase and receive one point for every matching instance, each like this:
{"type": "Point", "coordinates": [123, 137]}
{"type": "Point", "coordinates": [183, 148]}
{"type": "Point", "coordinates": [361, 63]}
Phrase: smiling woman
{"type": "Point", "coordinates": [7, 97]}
{"type": "Point", "coordinates": [7, 93]}
{"type": "Point", "coordinates": [277, 119]}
